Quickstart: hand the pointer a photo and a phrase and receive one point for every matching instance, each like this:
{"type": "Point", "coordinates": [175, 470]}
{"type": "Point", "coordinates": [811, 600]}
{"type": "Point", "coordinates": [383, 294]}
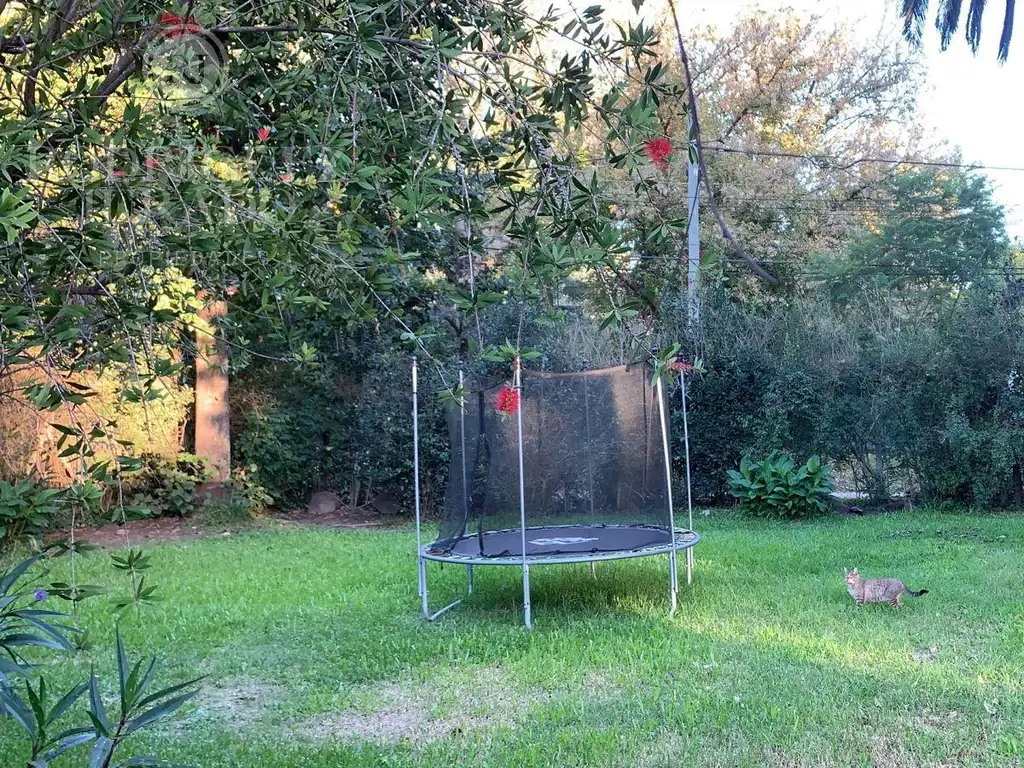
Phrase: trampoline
{"type": "Point", "coordinates": [556, 468]}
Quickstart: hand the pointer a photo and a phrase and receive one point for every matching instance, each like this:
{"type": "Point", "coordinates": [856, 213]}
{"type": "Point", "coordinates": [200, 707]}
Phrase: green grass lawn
{"type": "Point", "coordinates": [316, 654]}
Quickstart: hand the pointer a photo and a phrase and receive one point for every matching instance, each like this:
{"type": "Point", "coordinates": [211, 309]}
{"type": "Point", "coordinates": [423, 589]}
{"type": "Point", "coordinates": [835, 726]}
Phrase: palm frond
{"type": "Point", "coordinates": [947, 21]}
{"type": "Point", "coordinates": [914, 13]}
{"type": "Point", "coordinates": [1004, 41]}
{"type": "Point", "coordinates": [974, 16]}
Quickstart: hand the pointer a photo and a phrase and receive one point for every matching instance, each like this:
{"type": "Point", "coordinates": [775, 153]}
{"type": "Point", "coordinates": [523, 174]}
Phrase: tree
{"type": "Point", "coordinates": [789, 107]}
{"type": "Point", "coordinates": [947, 21]}
{"type": "Point", "coordinates": [317, 166]}
{"type": "Point", "coordinates": [942, 233]}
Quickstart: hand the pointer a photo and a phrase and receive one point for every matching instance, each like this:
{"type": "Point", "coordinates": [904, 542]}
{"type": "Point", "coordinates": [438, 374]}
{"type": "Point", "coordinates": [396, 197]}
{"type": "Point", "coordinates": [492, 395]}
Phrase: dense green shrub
{"type": "Point", "coordinates": [926, 403]}
{"type": "Point", "coordinates": [163, 487]}
{"type": "Point", "coordinates": [776, 487]}
{"type": "Point", "coordinates": [345, 427]}
{"type": "Point", "coordinates": [27, 508]}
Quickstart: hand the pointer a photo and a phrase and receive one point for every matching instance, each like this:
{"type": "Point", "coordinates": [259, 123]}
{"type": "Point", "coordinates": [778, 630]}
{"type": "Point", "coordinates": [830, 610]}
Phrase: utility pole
{"type": "Point", "coordinates": [693, 220]}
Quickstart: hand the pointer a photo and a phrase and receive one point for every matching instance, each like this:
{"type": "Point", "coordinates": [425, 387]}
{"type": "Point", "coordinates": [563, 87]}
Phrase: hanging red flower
{"type": "Point", "coordinates": [152, 163]}
{"type": "Point", "coordinates": [507, 400]}
{"type": "Point", "coordinates": [658, 152]}
{"type": "Point", "coordinates": [263, 134]}
{"type": "Point", "coordinates": [172, 26]}
{"type": "Point", "coordinates": [682, 366]}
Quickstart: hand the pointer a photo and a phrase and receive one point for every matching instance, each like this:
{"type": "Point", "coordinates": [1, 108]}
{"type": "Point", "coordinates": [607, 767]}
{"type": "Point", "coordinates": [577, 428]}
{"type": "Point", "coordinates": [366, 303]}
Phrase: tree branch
{"type": "Point", "coordinates": [62, 20]}
{"type": "Point", "coordinates": [738, 250]}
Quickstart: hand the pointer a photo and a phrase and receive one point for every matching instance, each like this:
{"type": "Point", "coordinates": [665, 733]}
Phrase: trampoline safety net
{"type": "Point", "coordinates": [593, 466]}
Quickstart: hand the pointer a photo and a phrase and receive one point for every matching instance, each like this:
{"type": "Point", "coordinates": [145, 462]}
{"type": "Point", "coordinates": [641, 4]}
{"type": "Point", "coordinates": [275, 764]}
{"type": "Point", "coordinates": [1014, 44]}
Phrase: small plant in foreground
{"type": "Point", "coordinates": [29, 706]}
{"type": "Point", "coordinates": [775, 487]}
{"type": "Point", "coordinates": [138, 709]}
{"type": "Point", "coordinates": [22, 626]}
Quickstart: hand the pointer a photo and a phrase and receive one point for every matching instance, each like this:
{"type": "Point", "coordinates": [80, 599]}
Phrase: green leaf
{"type": "Point", "coordinates": [66, 702]}
{"type": "Point", "coordinates": [97, 712]}
{"type": "Point", "coordinates": [67, 741]}
{"type": "Point", "coordinates": [101, 752]}
{"type": "Point", "coordinates": [169, 691]}
{"type": "Point", "coordinates": [158, 712]}
{"type": "Point", "coordinates": [123, 674]}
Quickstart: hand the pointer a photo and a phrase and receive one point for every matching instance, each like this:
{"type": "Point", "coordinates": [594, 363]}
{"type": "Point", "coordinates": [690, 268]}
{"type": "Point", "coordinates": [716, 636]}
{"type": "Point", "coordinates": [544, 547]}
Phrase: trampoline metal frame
{"type": "Point", "coordinates": [681, 540]}
{"type": "Point", "coordinates": [684, 540]}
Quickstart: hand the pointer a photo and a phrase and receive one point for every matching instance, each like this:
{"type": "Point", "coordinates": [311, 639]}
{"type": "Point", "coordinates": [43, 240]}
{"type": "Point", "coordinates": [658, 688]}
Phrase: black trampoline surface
{"type": "Point", "coordinates": [561, 542]}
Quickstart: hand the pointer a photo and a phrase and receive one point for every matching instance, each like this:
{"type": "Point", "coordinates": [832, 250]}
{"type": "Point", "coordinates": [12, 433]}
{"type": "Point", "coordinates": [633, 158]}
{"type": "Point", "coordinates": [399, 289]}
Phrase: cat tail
{"type": "Point", "coordinates": [912, 593]}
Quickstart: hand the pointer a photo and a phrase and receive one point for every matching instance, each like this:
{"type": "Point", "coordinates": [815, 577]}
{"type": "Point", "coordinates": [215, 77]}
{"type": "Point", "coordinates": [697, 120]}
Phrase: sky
{"type": "Point", "coordinates": [970, 101]}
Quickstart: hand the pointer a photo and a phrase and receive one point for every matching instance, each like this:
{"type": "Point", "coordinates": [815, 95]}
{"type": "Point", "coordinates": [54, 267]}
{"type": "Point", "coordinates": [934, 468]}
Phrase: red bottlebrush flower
{"type": "Point", "coordinates": [152, 163]}
{"type": "Point", "coordinates": [118, 174]}
{"type": "Point", "coordinates": [507, 400]}
{"type": "Point", "coordinates": [286, 178]}
{"type": "Point", "coordinates": [658, 152]}
{"type": "Point", "coordinates": [172, 26]}
{"type": "Point", "coordinates": [682, 366]}
{"type": "Point", "coordinates": [263, 134]}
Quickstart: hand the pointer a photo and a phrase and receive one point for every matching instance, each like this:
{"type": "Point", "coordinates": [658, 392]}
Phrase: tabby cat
{"type": "Point", "coordinates": [877, 590]}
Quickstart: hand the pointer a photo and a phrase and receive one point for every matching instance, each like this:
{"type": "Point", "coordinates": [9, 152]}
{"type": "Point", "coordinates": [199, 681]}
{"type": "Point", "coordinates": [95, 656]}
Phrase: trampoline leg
{"type": "Point", "coordinates": [593, 571]}
{"type": "Point", "coordinates": [526, 596]}
{"type": "Point", "coordinates": [423, 588]}
{"type": "Point", "coordinates": [423, 595]}
{"type": "Point", "coordinates": [673, 582]}
{"type": "Point", "coordinates": [689, 567]}
{"type": "Point", "coordinates": [469, 579]}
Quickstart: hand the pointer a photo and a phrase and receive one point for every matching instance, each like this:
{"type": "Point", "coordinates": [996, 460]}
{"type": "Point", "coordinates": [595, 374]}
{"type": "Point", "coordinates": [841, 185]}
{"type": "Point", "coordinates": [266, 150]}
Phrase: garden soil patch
{"type": "Point", "coordinates": [168, 529]}
{"type": "Point", "coordinates": [138, 532]}
{"type": "Point", "coordinates": [343, 517]}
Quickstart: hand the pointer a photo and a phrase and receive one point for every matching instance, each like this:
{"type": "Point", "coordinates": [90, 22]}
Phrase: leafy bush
{"type": "Point", "coordinates": [164, 487]}
{"type": "Point", "coordinates": [926, 404]}
{"type": "Point", "coordinates": [345, 427]}
{"type": "Point", "coordinates": [774, 487]}
{"type": "Point", "coordinates": [246, 492]}
{"type": "Point", "coordinates": [27, 508]}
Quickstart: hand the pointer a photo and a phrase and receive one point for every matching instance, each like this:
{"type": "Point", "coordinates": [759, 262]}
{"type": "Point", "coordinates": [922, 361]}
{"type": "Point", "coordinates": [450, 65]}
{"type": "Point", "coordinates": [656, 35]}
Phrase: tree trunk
{"type": "Point", "coordinates": [212, 421]}
{"type": "Point", "coordinates": [881, 481]}
{"type": "Point", "coordinates": [1018, 484]}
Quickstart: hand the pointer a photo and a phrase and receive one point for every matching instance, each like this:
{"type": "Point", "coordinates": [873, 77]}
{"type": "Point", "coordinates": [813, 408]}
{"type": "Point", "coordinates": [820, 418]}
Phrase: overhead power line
{"type": "Point", "coordinates": [846, 163]}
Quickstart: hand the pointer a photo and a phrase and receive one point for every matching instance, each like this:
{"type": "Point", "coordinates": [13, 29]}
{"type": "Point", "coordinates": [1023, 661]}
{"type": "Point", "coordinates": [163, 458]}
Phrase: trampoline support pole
{"type": "Point", "coordinates": [423, 589]}
{"type": "Point", "coordinates": [689, 491]}
{"type": "Point", "coordinates": [526, 597]}
{"type": "Point", "coordinates": [673, 577]}
{"type": "Point", "coordinates": [593, 571]}
{"type": "Point", "coordinates": [426, 609]}
{"type": "Point", "coordinates": [421, 563]}
{"type": "Point", "coordinates": [522, 491]}
{"type": "Point", "coordinates": [469, 579]}
{"type": "Point", "coordinates": [421, 570]}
